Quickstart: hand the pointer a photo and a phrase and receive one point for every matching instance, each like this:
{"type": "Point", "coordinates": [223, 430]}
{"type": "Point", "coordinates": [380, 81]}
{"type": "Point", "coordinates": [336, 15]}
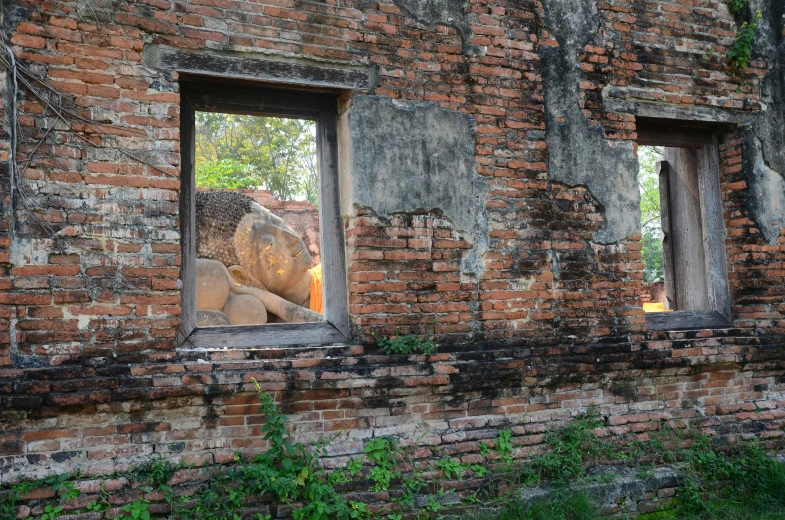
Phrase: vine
{"type": "Point", "coordinates": [58, 114]}
{"type": "Point", "coordinates": [61, 115]}
{"type": "Point", "coordinates": [740, 53]}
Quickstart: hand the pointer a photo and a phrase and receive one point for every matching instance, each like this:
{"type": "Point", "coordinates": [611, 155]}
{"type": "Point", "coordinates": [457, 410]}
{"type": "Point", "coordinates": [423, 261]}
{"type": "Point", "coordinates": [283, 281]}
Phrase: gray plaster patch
{"type": "Point", "coordinates": [451, 13]}
{"type": "Point", "coordinates": [765, 190]}
{"type": "Point", "coordinates": [625, 486]}
{"type": "Point", "coordinates": [579, 154]}
{"type": "Point", "coordinates": [447, 499]}
{"type": "Point", "coordinates": [770, 43]}
{"type": "Point", "coordinates": [763, 148]}
{"type": "Point", "coordinates": [419, 159]}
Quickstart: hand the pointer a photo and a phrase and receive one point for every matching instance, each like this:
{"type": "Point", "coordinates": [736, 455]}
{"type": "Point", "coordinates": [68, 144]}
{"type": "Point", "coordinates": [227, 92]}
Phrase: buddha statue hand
{"type": "Point", "coordinates": [284, 309]}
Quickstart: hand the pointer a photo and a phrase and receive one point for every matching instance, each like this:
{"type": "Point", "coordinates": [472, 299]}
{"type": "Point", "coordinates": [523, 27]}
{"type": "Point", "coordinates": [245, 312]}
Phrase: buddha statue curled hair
{"type": "Point", "coordinates": [218, 213]}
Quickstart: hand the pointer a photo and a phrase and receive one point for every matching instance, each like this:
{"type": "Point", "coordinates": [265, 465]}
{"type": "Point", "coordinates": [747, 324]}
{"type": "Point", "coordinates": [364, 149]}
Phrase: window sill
{"type": "Point", "coordinates": [686, 320]}
{"type": "Point", "coordinates": [271, 335]}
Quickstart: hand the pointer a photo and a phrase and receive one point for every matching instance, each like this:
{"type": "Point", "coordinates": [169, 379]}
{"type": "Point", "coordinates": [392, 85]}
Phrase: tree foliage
{"type": "Point", "coordinates": [241, 151]}
{"type": "Point", "coordinates": [651, 216]}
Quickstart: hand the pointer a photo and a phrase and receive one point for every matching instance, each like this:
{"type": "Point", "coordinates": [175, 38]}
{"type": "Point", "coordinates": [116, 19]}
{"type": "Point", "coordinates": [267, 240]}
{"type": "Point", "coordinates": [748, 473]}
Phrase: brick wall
{"type": "Point", "coordinates": [652, 292]}
{"type": "Point", "coordinates": [90, 375]}
{"type": "Point", "coordinates": [203, 408]}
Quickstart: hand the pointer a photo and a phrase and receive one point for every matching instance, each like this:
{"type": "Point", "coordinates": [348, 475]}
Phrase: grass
{"type": "Point", "coordinates": [722, 481]}
{"type": "Point", "coordinates": [753, 492]}
{"type": "Point", "coordinates": [562, 507]}
{"type": "Point", "coordinates": [740, 483]}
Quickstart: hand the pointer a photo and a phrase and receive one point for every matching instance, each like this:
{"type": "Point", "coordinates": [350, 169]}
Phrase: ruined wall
{"type": "Point", "coordinates": [759, 194]}
{"type": "Point", "coordinates": [509, 232]}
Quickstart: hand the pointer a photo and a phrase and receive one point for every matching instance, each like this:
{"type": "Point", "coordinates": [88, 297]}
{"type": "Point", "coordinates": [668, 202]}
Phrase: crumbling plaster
{"type": "Point", "coordinates": [416, 158]}
{"type": "Point", "coordinates": [764, 145]}
{"type": "Point", "coordinates": [452, 13]}
{"type": "Point", "coordinates": [579, 154]}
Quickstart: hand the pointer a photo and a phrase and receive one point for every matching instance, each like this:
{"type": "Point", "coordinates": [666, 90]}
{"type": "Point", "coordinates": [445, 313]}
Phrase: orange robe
{"type": "Point", "coordinates": [654, 307]}
{"type": "Point", "coordinates": [317, 302]}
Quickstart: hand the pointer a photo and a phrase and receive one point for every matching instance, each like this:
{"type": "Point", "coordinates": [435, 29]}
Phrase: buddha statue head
{"type": "Point", "coordinates": [256, 246]}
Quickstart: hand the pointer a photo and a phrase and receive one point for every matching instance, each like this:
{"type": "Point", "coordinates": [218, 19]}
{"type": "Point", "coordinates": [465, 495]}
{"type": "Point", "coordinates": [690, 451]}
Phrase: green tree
{"type": "Point", "coordinates": [651, 216]}
{"type": "Point", "coordinates": [241, 151]}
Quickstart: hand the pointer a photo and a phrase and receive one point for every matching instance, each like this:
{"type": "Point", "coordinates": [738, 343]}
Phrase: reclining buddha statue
{"type": "Point", "coordinates": [251, 268]}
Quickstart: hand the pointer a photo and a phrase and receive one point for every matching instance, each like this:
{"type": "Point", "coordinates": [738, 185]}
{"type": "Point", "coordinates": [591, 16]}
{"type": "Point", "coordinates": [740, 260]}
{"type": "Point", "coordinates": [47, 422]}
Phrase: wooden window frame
{"type": "Point", "coordinates": [238, 97]}
{"type": "Point", "coordinates": [703, 138]}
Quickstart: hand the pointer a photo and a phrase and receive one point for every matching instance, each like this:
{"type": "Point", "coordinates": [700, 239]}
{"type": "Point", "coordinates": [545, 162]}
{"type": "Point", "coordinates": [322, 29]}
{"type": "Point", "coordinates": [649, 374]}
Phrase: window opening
{"type": "Point", "coordinates": [257, 220]}
{"type": "Point", "coordinates": [653, 294]}
{"type": "Point", "coordinates": [683, 240]}
{"type": "Point", "coordinates": [672, 231]}
{"type": "Point", "coordinates": [259, 214]}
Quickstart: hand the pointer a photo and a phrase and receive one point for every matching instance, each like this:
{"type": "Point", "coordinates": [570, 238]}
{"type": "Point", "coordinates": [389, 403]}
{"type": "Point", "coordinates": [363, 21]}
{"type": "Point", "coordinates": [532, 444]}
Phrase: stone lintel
{"type": "Point", "coordinates": [618, 100]}
{"type": "Point", "coordinates": [262, 67]}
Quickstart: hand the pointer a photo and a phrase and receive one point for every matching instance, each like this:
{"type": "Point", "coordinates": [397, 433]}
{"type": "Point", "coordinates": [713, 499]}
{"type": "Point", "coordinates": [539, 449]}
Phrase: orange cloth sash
{"type": "Point", "coordinates": [317, 303]}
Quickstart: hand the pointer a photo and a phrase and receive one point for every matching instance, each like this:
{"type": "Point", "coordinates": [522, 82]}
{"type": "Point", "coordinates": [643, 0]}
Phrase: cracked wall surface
{"type": "Point", "coordinates": [579, 154]}
{"type": "Point", "coordinates": [764, 146]}
{"type": "Point", "coordinates": [419, 159]}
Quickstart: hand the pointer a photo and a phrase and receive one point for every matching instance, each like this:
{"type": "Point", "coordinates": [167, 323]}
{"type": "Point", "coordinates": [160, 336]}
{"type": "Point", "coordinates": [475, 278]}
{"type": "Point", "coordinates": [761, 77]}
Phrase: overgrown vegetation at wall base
{"type": "Point", "coordinates": [719, 480]}
{"type": "Point", "coordinates": [287, 472]}
{"type": "Point", "coordinates": [737, 482]}
{"type": "Point", "coordinates": [576, 506]}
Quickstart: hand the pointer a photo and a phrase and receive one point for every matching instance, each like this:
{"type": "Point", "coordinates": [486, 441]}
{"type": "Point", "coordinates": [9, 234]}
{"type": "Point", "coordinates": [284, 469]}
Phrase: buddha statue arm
{"type": "Point", "coordinates": [284, 309]}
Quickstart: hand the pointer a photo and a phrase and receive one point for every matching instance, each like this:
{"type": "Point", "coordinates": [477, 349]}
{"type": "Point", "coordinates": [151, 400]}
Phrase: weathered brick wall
{"type": "Point", "coordinates": [538, 229]}
{"type": "Point", "coordinates": [202, 407]}
{"type": "Point", "coordinates": [89, 371]}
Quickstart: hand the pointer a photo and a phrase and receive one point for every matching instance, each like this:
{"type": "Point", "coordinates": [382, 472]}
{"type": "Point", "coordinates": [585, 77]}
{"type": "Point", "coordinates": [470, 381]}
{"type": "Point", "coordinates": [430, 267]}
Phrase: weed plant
{"type": "Point", "coordinates": [740, 53]}
{"type": "Point", "coordinates": [405, 344]}
{"type": "Point", "coordinates": [737, 6]}
{"type": "Point", "coordinates": [571, 448]}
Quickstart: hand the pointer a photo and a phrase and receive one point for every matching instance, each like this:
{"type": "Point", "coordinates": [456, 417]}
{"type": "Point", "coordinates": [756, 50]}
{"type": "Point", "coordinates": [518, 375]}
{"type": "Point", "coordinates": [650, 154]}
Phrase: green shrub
{"type": "Point", "coordinates": [737, 6]}
{"type": "Point", "coordinates": [740, 53]}
{"type": "Point", "coordinates": [405, 344]}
